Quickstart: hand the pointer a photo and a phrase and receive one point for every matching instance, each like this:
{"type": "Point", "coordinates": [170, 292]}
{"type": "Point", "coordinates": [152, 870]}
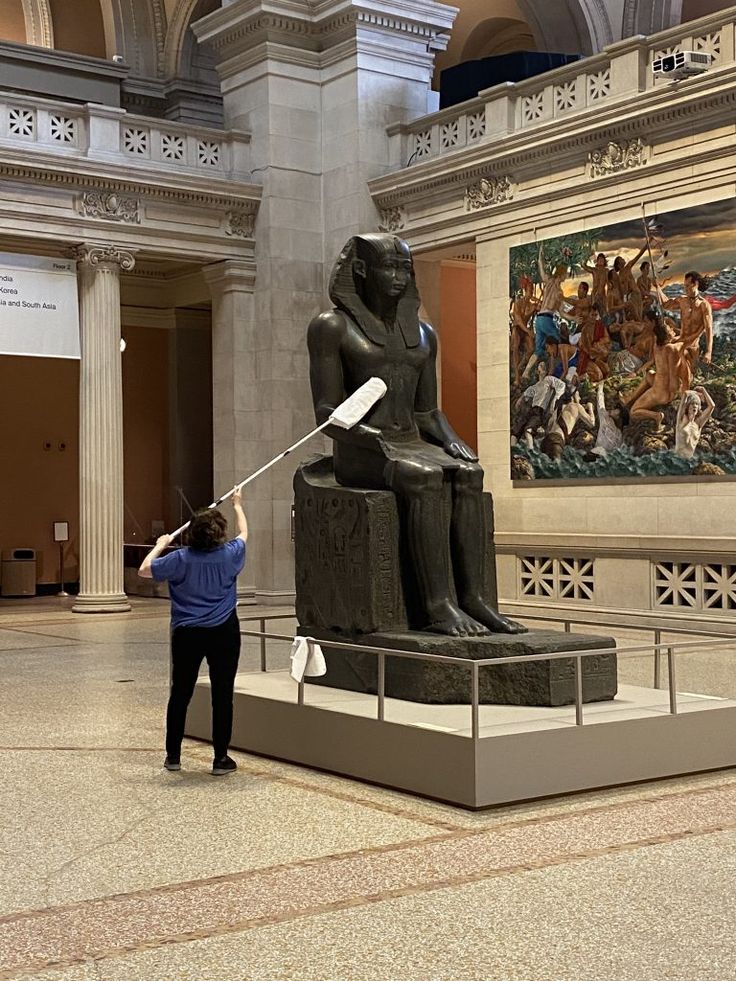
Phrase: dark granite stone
{"type": "Point", "coordinates": [543, 683]}
{"type": "Point", "coordinates": [352, 571]}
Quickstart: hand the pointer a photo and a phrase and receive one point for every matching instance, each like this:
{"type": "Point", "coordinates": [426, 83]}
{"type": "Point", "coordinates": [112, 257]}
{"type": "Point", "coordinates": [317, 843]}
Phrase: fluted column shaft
{"type": "Point", "coordinates": [101, 431]}
{"type": "Point", "coordinates": [237, 435]}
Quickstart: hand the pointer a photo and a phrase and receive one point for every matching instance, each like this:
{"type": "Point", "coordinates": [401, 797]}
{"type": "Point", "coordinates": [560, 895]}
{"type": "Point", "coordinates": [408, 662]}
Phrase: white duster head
{"type": "Point", "coordinates": [354, 408]}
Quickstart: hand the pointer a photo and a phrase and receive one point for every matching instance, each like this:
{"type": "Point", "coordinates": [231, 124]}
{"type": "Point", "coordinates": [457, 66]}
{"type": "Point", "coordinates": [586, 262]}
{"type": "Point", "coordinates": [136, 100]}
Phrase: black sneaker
{"type": "Point", "coordinates": [172, 763]}
{"type": "Point", "coordinates": [223, 765]}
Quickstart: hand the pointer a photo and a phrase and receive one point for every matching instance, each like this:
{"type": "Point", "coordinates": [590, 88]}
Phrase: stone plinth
{"type": "Point", "coordinates": [351, 571]}
{"type": "Point", "coordinates": [544, 683]}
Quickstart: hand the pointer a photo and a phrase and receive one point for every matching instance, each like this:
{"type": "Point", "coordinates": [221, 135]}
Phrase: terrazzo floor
{"type": "Point", "coordinates": [112, 868]}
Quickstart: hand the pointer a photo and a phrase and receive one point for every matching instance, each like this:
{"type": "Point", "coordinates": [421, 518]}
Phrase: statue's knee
{"type": "Point", "coordinates": [406, 477]}
{"type": "Point", "coordinates": [469, 477]}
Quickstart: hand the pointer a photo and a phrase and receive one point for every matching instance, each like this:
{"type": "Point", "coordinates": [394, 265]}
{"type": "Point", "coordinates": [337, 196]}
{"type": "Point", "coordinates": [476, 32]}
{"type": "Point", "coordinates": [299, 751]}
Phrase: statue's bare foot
{"type": "Point", "coordinates": [495, 621]}
{"type": "Point", "coordinates": [451, 620]}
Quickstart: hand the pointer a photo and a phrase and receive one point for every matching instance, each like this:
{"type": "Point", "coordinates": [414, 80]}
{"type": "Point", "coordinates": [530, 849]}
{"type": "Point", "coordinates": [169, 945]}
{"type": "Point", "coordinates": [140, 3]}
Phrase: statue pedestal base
{"type": "Point", "coordinates": [544, 683]}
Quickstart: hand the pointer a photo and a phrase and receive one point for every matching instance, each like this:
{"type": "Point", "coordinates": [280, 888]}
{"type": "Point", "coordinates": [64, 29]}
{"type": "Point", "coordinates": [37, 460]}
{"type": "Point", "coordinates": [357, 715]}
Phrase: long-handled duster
{"type": "Point", "coordinates": [346, 415]}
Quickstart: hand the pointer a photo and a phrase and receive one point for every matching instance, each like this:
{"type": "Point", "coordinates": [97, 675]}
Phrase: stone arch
{"type": "Point", "coordinates": [496, 36]}
{"type": "Point", "coordinates": [569, 26]}
{"type": "Point", "coordinates": [179, 52]}
{"type": "Point", "coordinates": [650, 16]}
{"type": "Point", "coordinates": [39, 26]}
{"type": "Point", "coordinates": [136, 29]}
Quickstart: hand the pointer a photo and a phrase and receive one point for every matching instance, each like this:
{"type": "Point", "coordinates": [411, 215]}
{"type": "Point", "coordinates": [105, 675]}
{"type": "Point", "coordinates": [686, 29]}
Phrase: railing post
{"type": "Point", "coordinates": [381, 687]}
{"type": "Point", "coordinates": [578, 691]}
{"type": "Point", "coordinates": [657, 663]}
{"type": "Point", "coordinates": [671, 680]}
{"type": "Point", "coordinates": [262, 622]}
{"type": "Point", "coordinates": [475, 702]}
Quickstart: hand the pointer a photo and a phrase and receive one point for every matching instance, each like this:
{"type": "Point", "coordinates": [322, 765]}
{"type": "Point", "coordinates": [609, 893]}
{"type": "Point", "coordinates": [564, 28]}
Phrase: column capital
{"type": "Point", "coordinates": [237, 275]}
{"type": "Point", "coordinates": [103, 255]}
{"type": "Point", "coordinates": [244, 25]}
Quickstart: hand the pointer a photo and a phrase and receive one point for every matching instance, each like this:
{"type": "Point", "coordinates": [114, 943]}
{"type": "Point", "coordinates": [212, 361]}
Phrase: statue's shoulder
{"type": "Point", "coordinates": [331, 323]}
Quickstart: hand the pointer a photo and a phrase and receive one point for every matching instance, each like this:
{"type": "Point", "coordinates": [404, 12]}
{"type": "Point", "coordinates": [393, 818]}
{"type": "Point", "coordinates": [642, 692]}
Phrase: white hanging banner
{"type": "Point", "coordinates": [39, 311]}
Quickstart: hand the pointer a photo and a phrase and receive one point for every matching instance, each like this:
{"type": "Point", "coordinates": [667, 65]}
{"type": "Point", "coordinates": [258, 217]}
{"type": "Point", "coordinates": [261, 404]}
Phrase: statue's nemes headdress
{"type": "Point", "coordinates": [346, 286]}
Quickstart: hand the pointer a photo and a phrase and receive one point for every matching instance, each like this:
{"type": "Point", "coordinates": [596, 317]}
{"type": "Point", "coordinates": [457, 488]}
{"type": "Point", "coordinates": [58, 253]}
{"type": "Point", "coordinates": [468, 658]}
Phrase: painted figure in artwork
{"type": "Point", "coordinates": [406, 444]}
{"type": "Point", "coordinates": [662, 376]}
{"type": "Point", "coordinates": [523, 308]}
{"type": "Point", "coordinates": [551, 305]}
{"type": "Point", "coordinates": [536, 404]}
{"type": "Point", "coordinates": [696, 321]}
{"type": "Point", "coordinates": [696, 408]}
{"type": "Point", "coordinates": [599, 272]}
{"type": "Point", "coordinates": [625, 285]}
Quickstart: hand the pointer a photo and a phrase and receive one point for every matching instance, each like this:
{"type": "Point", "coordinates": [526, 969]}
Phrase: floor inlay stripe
{"type": "Point", "coordinates": [113, 926]}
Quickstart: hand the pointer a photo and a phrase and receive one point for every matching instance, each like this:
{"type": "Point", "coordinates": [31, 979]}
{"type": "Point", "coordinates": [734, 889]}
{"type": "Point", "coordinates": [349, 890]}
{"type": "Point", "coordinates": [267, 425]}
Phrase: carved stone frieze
{"type": "Point", "coordinates": [97, 255]}
{"type": "Point", "coordinates": [617, 156]}
{"type": "Point", "coordinates": [240, 224]}
{"type": "Point", "coordinates": [392, 219]}
{"type": "Point", "coordinates": [487, 191]}
{"type": "Point", "coordinates": [110, 205]}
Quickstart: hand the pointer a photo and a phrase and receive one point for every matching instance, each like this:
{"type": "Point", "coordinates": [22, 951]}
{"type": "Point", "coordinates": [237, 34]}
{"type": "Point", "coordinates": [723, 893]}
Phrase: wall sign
{"type": "Point", "coordinates": [39, 313]}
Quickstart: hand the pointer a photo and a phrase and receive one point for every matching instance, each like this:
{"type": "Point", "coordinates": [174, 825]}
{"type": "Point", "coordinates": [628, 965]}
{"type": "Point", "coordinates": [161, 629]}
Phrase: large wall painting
{"type": "Point", "coordinates": [623, 349]}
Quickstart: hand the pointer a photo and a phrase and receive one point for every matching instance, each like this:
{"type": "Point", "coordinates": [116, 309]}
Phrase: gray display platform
{"type": "Point", "coordinates": [521, 753]}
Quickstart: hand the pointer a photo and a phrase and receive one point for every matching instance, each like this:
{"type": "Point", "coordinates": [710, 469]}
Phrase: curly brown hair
{"type": "Point", "coordinates": [207, 530]}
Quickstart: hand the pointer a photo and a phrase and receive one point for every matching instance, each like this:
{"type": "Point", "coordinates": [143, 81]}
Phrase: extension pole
{"type": "Point", "coordinates": [258, 473]}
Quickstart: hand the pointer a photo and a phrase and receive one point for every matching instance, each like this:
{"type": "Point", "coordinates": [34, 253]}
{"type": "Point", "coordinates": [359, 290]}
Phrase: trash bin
{"type": "Point", "coordinates": [18, 572]}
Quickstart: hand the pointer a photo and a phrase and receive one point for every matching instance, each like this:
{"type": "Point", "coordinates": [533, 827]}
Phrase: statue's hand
{"type": "Point", "coordinates": [460, 450]}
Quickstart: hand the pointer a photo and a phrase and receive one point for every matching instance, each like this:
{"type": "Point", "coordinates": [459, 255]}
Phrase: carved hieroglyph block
{"type": "Point", "coordinates": [353, 571]}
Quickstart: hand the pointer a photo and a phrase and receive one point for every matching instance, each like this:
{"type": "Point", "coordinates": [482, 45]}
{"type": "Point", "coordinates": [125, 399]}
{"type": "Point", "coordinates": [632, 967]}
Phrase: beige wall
{"type": "Point", "coordinates": [39, 405]}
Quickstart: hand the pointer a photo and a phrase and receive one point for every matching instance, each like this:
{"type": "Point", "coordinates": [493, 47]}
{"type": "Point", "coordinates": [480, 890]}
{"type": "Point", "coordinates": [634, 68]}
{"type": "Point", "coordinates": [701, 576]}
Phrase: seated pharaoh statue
{"type": "Point", "coordinates": [405, 444]}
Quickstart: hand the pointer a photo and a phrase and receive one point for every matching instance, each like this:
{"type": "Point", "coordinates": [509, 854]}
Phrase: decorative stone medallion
{"type": "Point", "coordinates": [392, 219]}
{"type": "Point", "coordinates": [615, 157]}
{"type": "Point", "coordinates": [111, 206]}
{"type": "Point", "coordinates": [240, 224]}
{"type": "Point", "coordinates": [488, 191]}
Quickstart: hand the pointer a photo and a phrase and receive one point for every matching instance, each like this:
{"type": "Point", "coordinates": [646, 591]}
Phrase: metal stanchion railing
{"type": "Point", "coordinates": [671, 680]}
{"type": "Point", "coordinates": [263, 643]}
{"type": "Point", "coordinates": [381, 687]}
{"type": "Point", "coordinates": [578, 691]}
{"type": "Point", "coordinates": [475, 702]}
{"type": "Point", "coordinates": [475, 665]}
{"type": "Point", "coordinates": [657, 660]}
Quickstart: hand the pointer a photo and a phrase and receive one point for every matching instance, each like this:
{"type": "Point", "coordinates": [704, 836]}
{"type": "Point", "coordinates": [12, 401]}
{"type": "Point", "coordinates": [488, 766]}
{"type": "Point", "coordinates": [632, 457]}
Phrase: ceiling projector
{"type": "Point", "coordinates": [682, 64]}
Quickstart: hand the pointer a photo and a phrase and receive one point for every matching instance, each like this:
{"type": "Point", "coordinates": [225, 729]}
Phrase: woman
{"type": "Point", "coordinates": [690, 421]}
{"type": "Point", "coordinates": [204, 623]}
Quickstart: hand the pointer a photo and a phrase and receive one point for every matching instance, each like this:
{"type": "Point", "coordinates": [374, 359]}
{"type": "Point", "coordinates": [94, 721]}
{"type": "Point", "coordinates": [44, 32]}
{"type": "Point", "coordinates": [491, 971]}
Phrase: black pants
{"type": "Point", "coordinates": [189, 645]}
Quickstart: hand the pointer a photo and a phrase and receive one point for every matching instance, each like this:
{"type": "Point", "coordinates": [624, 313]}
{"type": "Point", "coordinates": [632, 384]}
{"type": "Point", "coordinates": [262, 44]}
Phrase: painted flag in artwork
{"type": "Point", "coordinates": [39, 311]}
{"type": "Point", "coordinates": [721, 304]}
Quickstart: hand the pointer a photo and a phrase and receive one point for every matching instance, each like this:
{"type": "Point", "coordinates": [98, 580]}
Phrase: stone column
{"type": "Point", "coordinates": [315, 85]}
{"type": "Point", "coordinates": [101, 430]}
{"type": "Point", "coordinates": [239, 438]}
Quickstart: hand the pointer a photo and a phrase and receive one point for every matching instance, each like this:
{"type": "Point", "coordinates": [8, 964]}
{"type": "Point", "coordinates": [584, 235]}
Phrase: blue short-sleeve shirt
{"type": "Point", "coordinates": [201, 584]}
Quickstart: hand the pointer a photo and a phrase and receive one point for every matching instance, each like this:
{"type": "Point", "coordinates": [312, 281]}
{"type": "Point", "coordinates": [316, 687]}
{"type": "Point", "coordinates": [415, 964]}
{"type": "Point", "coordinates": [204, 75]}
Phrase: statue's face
{"type": "Point", "coordinates": [389, 276]}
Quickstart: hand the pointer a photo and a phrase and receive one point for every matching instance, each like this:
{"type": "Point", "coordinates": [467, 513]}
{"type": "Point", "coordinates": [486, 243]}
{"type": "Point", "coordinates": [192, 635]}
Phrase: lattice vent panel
{"type": "Point", "coordinates": [548, 577]}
